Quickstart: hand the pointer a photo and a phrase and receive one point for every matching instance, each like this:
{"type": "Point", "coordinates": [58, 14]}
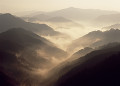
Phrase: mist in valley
{"type": "Point", "coordinates": [59, 45]}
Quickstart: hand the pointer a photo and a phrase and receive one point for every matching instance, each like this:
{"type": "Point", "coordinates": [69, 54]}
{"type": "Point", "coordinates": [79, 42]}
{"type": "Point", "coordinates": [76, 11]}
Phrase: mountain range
{"type": "Point", "coordinates": [105, 20]}
{"type": "Point", "coordinates": [78, 14]}
{"type": "Point", "coordinates": [56, 21]}
{"type": "Point", "coordinates": [95, 39]}
{"type": "Point", "coordinates": [72, 17]}
{"type": "Point", "coordinates": [24, 52]}
{"type": "Point", "coordinates": [21, 42]}
{"type": "Point", "coordinates": [29, 57]}
{"type": "Point", "coordinates": [8, 21]}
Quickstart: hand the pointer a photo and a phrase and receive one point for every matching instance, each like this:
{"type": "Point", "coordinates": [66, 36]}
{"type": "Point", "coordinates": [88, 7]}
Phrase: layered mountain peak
{"type": "Point", "coordinates": [8, 21]}
{"type": "Point", "coordinates": [9, 16]}
{"type": "Point", "coordinates": [21, 35]}
{"type": "Point", "coordinates": [96, 39]}
{"type": "Point", "coordinates": [94, 33]}
{"type": "Point", "coordinates": [18, 32]}
{"type": "Point", "coordinates": [72, 8]}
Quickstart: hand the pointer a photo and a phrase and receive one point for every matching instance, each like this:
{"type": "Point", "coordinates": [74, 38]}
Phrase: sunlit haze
{"type": "Point", "coordinates": [50, 5]}
{"type": "Point", "coordinates": [59, 42]}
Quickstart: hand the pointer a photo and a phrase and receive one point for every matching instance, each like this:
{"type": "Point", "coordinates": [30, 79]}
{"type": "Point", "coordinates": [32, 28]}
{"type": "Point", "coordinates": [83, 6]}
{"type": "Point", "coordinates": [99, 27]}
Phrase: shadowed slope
{"type": "Point", "coordinates": [99, 68]}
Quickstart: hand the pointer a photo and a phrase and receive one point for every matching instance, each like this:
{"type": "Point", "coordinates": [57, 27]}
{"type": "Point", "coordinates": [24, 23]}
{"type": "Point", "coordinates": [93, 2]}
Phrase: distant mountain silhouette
{"type": "Point", "coordinates": [56, 21]}
{"type": "Point", "coordinates": [79, 14]}
{"type": "Point", "coordinates": [46, 18]}
{"type": "Point", "coordinates": [76, 13]}
{"type": "Point", "coordinates": [98, 68]}
{"type": "Point", "coordinates": [39, 17]}
{"type": "Point", "coordinates": [108, 19]}
{"type": "Point", "coordinates": [73, 13]}
{"type": "Point", "coordinates": [28, 13]}
{"type": "Point", "coordinates": [96, 39]}
{"type": "Point", "coordinates": [8, 21]}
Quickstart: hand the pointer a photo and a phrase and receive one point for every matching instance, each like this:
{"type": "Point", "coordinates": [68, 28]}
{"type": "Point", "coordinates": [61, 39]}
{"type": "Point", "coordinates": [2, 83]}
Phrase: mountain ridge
{"type": "Point", "coordinates": [8, 21]}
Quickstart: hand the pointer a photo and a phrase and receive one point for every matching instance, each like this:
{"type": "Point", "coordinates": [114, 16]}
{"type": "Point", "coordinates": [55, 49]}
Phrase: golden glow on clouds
{"type": "Point", "coordinates": [48, 5]}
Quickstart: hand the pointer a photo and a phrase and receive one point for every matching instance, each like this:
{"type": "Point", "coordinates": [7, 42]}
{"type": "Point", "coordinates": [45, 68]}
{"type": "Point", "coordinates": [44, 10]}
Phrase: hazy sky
{"type": "Point", "coordinates": [49, 5]}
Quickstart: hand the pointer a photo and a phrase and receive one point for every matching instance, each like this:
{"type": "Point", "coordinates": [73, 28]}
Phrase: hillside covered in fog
{"type": "Point", "coordinates": [66, 47]}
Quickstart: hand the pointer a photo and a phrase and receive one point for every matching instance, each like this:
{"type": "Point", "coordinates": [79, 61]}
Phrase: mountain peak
{"type": "Point", "coordinates": [16, 30]}
{"type": "Point", "coordinates": [94, 33]}
{"type": "Point", "coordinates": [19, 32]}
{"type": "Point", "coordinates": [7, 15]}
{"type": "Point", "coordinates": [72, 8]}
